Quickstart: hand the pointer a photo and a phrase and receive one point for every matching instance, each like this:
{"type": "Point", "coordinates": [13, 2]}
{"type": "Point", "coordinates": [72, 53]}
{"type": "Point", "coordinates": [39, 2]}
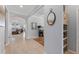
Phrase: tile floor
{"type": "Point", "coordinates": [28, 46]}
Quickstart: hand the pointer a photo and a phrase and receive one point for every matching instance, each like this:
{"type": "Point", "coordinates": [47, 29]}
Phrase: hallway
{"type": "Point", "coordinates": [27, 46]}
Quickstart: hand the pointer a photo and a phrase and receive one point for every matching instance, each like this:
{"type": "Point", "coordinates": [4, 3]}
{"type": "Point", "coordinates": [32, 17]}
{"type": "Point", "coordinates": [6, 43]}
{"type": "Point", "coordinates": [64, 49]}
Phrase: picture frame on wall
{"type": "Point", "coordinates": [34, 25]}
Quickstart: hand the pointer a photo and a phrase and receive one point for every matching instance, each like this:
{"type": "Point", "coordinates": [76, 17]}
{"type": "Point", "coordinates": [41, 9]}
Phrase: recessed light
{"type": "Point", "coordinates": [21, 6]}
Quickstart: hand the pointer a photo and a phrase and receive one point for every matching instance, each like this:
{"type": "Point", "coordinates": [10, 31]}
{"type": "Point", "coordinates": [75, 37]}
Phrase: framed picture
{"type": "Point", "coordinates": [34, 25]}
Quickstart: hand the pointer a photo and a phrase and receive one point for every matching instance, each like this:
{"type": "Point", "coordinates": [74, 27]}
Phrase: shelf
{"type": "Point", "coordinates": [64, 34]}
{"type": "Point", "coordinates": [65, 45]}
{"type": "Point", "coordinates": [65, 30]}
{"type": "Point", "coordinates": [65, 38]}
{"type": "Point", "coordinates": [65, 49]}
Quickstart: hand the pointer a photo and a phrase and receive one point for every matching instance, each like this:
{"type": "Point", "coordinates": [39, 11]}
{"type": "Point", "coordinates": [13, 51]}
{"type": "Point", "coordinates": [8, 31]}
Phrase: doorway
{"type": "Point", "coordinates": [25, 32]}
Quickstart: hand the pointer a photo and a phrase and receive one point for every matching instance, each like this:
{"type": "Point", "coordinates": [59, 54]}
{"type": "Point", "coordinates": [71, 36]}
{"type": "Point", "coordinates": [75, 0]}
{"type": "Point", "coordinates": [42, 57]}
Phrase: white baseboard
{"type": "Point", "coordinates": [74, 52]}
{"type": "Point", "coordinates": [32, 37]}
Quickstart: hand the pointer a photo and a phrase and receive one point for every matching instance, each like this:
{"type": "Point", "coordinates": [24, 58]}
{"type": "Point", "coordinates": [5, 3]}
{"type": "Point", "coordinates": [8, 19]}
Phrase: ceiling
{"type": "Point", "coordinates": [23, 10]}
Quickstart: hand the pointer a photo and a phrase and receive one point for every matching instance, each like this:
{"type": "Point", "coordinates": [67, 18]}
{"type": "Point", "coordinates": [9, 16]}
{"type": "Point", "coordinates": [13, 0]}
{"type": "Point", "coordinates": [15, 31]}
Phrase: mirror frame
{"type": "Point", "coordinates": [54, 20]}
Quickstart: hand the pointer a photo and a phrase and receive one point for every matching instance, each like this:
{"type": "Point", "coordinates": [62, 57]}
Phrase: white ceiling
{"type": "Point", "coordinates": [25, 11]}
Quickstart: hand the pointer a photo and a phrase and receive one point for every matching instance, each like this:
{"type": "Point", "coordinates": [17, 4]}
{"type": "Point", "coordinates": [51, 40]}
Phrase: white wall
{"type": "Point", "coordinates": [53, 39]}
{"type": "Point", "coordinates": [53, 35]}
{"type": "Point", "coordinates": [39, 20]}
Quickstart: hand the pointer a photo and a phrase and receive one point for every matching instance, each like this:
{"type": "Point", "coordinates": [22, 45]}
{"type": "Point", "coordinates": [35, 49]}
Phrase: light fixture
{"type": "Point", "coordinates": [21, 6]}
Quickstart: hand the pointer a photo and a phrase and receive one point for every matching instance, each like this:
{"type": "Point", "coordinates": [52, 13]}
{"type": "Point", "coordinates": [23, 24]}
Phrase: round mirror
{"type": "Point", "coordinates": [51, 18]}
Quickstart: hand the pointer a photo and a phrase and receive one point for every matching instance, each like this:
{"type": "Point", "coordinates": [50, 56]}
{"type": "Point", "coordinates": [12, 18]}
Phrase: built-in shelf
{"type": "Point", "coordinates": [65, 38]}
{"type": "Point", "coordinates": [65, 31]}
{"type": "Point", "coordinates": [65, 45]}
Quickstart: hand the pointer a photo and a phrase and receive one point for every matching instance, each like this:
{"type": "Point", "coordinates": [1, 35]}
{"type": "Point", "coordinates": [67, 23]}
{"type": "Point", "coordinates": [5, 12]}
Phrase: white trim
{"type": "Point", "coordinates": [77, 13]}
{"type": "Point", "coordinates": [74, 52]}
{"type": "Point", "coordinates": [32, 37]}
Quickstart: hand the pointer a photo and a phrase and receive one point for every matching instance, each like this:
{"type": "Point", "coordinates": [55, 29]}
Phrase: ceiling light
{"type": "Point", "coordinates": [21, 6]}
